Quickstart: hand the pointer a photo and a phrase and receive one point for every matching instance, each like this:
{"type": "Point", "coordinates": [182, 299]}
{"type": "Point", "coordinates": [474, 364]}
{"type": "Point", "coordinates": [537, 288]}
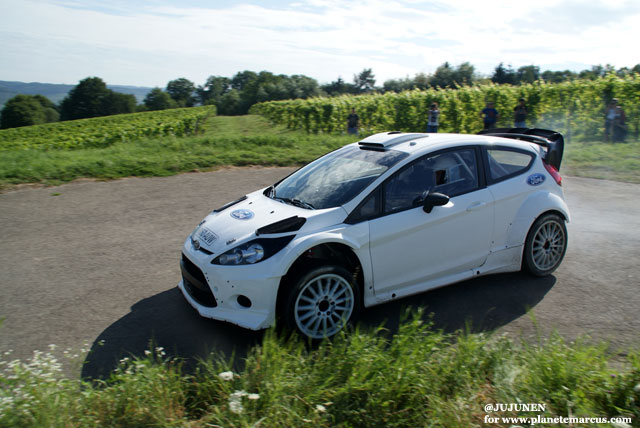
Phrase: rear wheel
{"type": "Point", "coordinates": [322, 302]}
{"type": "Point", "coordinates": [546, 245]}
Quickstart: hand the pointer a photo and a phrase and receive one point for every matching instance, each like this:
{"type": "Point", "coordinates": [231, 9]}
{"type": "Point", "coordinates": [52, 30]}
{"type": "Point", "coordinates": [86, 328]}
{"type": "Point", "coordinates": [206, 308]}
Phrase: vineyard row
{"type": "Point", "coordinates": [575, 108]}
{"type": "Point", "coordinates": [107, 130]}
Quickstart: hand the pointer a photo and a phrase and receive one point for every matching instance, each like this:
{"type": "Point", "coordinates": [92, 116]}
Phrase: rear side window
{"type": "Point", "coordinates": [505, 163]}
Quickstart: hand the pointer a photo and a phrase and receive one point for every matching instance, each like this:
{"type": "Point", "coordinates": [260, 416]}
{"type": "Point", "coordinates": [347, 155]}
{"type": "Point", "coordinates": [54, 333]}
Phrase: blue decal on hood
{"type": "Point", "coordinates": [535, 179]}
{"type": "Point", "coordinates": [242, 214]}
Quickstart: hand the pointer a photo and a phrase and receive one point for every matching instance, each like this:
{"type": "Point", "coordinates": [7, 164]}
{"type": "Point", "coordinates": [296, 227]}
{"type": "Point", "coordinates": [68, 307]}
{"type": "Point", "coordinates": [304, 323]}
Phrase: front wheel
{"type": "Point", "coordinates": [546, 245]}
{"type": "Point", "coordinates": [322, 302]}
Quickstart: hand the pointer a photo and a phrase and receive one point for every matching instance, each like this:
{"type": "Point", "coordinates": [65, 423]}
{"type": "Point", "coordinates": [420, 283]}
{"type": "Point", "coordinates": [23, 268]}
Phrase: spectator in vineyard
{"type": "Point", "coordinates": [619, 125]}
{"type": "Point", "coordinates": [490, 115]}
{"type": "Point", "coordinates": [520, 114]}
{"type": "Point", "coordinates": [434, 118]}
{"type": "Point", "coordinates": [352, 122]}
{"type": "Point", "coordinates": [610, 119]}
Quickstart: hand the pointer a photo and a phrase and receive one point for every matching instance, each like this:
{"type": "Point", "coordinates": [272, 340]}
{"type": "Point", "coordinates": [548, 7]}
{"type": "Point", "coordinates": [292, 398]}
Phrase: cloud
{"type": "Point", "coordinates": [148, 42]}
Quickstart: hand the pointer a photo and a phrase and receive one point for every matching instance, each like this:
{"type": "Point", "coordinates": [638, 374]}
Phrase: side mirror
{"type": "Point", "coordinates": [434, 200]}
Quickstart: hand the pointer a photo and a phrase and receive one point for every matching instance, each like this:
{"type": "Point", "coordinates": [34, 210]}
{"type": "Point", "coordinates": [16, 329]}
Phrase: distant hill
{"type": "Point", "coordinates": [56, 92]}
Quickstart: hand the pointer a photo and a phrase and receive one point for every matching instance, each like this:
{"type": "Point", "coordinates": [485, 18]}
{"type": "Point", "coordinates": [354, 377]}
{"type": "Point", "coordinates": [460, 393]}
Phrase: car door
{"type": "Point", "coordinates": [409, 246]}
{"type": "Point", "coordinates": [506, 168]}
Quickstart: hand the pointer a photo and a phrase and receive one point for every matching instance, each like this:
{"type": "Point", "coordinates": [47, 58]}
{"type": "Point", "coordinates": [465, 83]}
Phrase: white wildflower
{"type": "Point", "coordinates": [226, 375]}
{"type": "Point", "coordinates": [238, 395]}
{"type": "Point", "coordinates": [235, 401]}
{"type": "Point", "coordinates": [253, 396]}
{"type": "Point", "coordinates": [637, 388]}
{"type": "Point", "coordinates": [236, 406]}
{"type": "Point", "coordinates": [147, 352]}
{"type": "Point", "coordinates": [320, 408]}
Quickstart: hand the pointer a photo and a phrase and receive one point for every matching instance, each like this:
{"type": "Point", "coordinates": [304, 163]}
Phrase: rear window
{"type": "Point", "coordinates": [505, 163]}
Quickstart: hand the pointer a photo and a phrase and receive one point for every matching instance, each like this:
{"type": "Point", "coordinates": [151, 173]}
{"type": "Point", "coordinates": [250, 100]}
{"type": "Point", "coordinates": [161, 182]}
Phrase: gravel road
{"type": "Point", "coordinates": [98, 261]}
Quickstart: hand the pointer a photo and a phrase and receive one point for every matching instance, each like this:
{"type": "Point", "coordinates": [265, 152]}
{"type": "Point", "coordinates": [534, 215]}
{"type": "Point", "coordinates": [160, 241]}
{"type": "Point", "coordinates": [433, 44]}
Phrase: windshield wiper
{"type": "Point", "coordinates": [296, 202]}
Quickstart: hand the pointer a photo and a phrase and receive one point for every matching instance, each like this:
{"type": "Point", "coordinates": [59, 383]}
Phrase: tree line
{"type": "Point", "coordinates": [236, 95]}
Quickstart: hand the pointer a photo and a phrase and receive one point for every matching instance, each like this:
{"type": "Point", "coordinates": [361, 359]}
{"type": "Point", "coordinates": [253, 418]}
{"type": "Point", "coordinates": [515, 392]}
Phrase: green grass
{"type": "Point", "coordinates": [619, 161]}
{"type": "Point", "coordinates": [361, 379]}
{"type": "Point", "coordinates": [248, 140]}
{"type": "Point", "coordinates": [245, 140]}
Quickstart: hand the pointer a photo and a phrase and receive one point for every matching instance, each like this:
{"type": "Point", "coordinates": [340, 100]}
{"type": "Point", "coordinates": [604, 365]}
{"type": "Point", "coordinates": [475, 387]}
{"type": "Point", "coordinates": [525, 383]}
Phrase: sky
{"type": "Point", "coordinates": [150, 42]}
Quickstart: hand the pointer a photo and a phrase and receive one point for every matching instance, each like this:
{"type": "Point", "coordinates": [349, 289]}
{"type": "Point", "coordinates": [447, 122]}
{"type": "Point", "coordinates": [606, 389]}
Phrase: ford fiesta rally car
{"type": "Point", "coordinates": [392, 215]}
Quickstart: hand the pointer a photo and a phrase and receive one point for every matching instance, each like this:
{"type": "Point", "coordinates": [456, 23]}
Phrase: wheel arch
{"type": "Point", "coordinates": [532, 209]}
{"type": "Point", "coordinates": [321, 253]}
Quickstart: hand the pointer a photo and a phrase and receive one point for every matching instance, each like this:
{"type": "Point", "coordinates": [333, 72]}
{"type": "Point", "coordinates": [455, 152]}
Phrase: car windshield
{"type": "Point", "coordinates": [335, 178]}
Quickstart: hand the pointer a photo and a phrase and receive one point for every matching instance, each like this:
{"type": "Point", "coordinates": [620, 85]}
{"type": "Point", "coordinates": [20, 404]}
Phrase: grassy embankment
{"type": "Point", "coordinates": [238, 141]}
{"type": "Point", "coordinates": [361, 379]}
{"type": "Point", "coordinates": [247, 140]}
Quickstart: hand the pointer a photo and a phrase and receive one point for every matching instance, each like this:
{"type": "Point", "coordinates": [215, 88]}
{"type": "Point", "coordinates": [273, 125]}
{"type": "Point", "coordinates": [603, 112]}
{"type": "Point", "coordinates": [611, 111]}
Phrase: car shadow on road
{"type": "Point", "coordinates": [166, 320]}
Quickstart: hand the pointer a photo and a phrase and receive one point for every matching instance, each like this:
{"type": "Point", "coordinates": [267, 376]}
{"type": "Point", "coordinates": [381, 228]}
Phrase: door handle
{"type": "Point", "coordinates": [476, 206]}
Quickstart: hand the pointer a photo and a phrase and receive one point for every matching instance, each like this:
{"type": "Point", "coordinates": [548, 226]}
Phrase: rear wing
{"type": "Point", "coordinates": [551, 140]}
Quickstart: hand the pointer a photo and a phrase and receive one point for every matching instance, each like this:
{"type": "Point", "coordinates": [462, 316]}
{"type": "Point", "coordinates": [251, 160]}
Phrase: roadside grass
{"type": "Point", "coordinates": [417, 377]}
{"type": "Point", "coordinates": [610, 161]}
{"type": "Point", "coordinates": [249, 140]}
{"type": "Point", "coordinates": [227, 141]}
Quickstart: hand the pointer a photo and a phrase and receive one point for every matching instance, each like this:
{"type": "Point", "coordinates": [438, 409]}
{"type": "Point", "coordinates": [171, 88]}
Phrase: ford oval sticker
{"type": "Point", "coordinates": [535, 179]}
{"type": "Point", "coordinates": [242, 214]}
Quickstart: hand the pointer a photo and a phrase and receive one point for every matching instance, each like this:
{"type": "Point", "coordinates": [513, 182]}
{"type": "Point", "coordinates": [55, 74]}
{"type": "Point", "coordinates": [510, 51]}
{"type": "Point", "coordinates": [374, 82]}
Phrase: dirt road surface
{"type": "Point", "coordinates": [98, 261]}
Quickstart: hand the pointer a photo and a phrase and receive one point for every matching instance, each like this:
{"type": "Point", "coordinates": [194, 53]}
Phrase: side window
{"type": "Point", "coordinates": [455, 172]}
{"type": "Point", "coordinates": [367, 209]}
{"type": "Point", "coordinates": [452, 173]}
{"type": "Point", "coordinates": [505, 163]}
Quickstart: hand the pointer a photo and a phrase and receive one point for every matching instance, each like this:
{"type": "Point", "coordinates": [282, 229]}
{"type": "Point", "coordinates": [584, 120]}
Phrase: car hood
{"type": "Point", "coordinates": [240, 222]}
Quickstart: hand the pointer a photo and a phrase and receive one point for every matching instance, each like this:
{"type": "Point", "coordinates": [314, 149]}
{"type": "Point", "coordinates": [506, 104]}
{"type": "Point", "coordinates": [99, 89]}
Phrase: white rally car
{"type": "Point", "coordinates": [392, 215]}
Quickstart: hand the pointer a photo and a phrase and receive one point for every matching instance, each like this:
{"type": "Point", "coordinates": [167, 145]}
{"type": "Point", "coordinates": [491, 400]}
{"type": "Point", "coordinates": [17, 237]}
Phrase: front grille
{"type": "Point", "coordinates": [196, 284]}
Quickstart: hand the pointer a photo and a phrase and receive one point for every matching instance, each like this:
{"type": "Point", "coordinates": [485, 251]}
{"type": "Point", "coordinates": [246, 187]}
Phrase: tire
{"type": "Point", "coordinates": [322, 302]}
{"type": "Point", "coordinates": [546, 245]}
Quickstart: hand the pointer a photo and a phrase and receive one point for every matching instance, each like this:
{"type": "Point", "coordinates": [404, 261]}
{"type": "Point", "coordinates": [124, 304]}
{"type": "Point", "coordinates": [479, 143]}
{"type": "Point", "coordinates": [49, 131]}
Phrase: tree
{"type": "Point", "coordinates": [91, 98]}
{"type": "Point", "coordinates": [502, 75]}
{"type": "Point", "coordinates": [444, 76]}
{"type": "Point", "coordinates": [157, 99]}
{"type": "Point", "coordinates": [51, 113]}
{"type": "Point", "coordinates": [243, 79]}
{"type": "Point", "coordinates": [230, 103]}
{"type": "Point", "coordinates": [364, 81]}
{"type": "Point", "coordinates": [214, 88]}
{"type": "Point", "coordinates": [558, 76]}
{"type": "Point", "coordinates": [398, 85]}
{"type": "Point", "coordinates": [86, 99]}
{"type": "Point", "coordinates": [182, 91]}
{"type": "Point", "coordinates": [338, 87]}
{"type": "Point", "coordinates": [464, 74]}
{"type": "Point", "coordinates": [528, 74]}
{"type": "Point", "coordinates": [300, 86]}
{"type": "Point", "coordinates": [27, 110]}
{"type": "Point", "coordinates": [118, 103]}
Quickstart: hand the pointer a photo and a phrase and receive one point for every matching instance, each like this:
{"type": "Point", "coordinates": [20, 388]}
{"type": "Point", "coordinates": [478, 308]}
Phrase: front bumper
{"type": "Point", "coordinates": [223, 292]}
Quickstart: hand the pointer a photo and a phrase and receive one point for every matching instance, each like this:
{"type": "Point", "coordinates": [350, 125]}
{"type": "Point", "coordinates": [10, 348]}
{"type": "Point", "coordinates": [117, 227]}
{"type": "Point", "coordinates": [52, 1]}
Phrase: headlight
{"type": "Point", "coordinates": [253, 251]}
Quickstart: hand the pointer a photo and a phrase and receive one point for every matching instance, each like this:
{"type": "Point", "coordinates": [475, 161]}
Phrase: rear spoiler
{"type": "Point", "coordinates": [552, 140]}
